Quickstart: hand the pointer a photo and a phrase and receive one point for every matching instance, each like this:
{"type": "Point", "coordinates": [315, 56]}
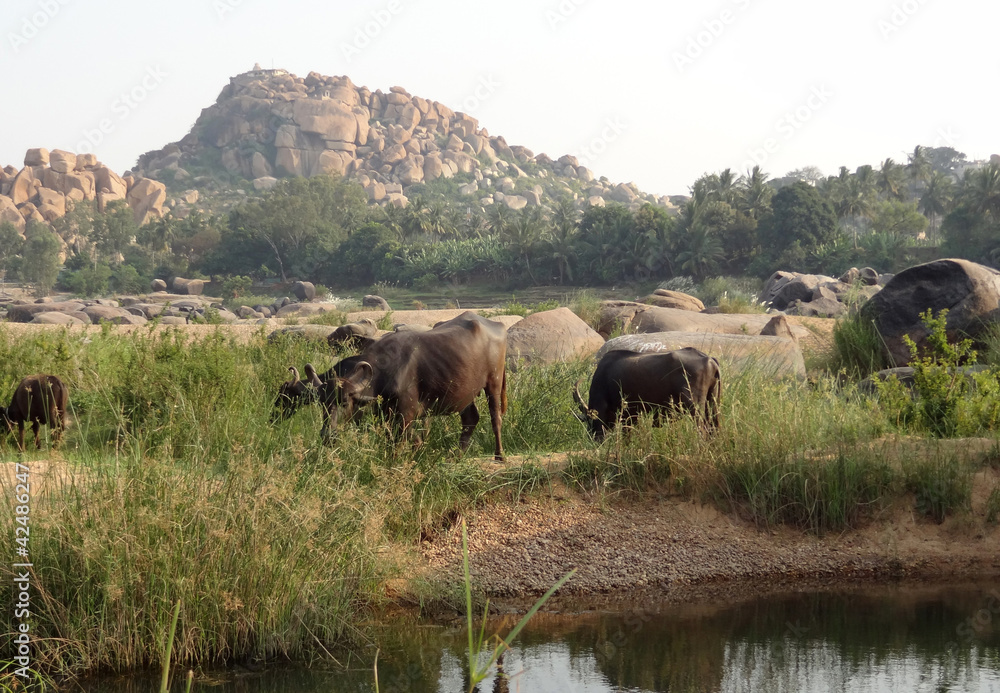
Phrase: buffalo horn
{"type": "Point", "coordinates": [587, 411]}
{"type": "Point", "coordinates": [295, 374]}
{"type": "Point", "coordinates": [311, 374]}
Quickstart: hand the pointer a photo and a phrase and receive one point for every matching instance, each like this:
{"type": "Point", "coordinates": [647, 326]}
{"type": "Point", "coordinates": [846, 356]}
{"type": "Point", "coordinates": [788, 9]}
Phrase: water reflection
{"type": "Point", "coordinates": [886, 639]}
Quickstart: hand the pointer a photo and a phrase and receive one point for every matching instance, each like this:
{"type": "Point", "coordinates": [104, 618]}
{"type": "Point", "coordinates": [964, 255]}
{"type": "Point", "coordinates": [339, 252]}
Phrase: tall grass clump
{"type": "Point", "coordinates": [941, 485]}
{"type": "Point", "coordinates": [173, 486]}
{"type": "Point", "coordinates": [858, 349]}
{"type": "Point", "coordinates": [735, 292]}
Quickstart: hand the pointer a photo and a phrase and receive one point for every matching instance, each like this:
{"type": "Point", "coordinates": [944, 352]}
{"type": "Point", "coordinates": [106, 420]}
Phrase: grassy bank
{"type": "Point", "coordinates": [172, 485]}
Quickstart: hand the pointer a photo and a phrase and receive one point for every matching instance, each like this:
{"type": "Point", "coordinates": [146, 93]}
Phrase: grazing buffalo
{"type": "Point", "coordinates": [439, 371]}
{"type": "Point", "coordinates": [40, 399]}
{"type": "Point", "coordinates": [292, 394]}
{"type": "Point", "coordinates": [626, 383]}
{"type": "Point", "coordinates": [295, 392]}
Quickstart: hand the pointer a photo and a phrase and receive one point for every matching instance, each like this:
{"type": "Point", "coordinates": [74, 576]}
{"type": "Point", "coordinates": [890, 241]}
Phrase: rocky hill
{"type": "Point", "coordinates": [50, 182]}
{"type": "Point", "coordinates": [268, 124]}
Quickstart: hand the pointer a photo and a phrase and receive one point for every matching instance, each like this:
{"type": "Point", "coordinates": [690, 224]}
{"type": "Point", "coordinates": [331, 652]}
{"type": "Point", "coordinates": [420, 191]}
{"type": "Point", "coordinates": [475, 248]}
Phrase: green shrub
{"type": "Point", "coordinates": [236, 286]}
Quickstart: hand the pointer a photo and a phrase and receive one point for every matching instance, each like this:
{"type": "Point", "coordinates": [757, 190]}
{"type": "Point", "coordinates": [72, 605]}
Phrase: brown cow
{"type": "Point", "coordinates": [40, 399]}
{"type": "Point", "coordinates": [439, 371]}
{"type": "Point", "coordinates": [626, 383]}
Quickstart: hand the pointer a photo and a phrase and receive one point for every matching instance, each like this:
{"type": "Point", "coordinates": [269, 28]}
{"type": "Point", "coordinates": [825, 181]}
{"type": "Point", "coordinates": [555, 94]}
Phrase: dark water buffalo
{"type": "Point", "coordinates": [40, 399]}
{"type": "Point", "coordinates": [295, 393]}
{"type": "Point", "coordinates": [626, 383]}
{"type": "Point", "coordinates": [291, 395]}
{"type": "Point", "coordinates": [440, 371]}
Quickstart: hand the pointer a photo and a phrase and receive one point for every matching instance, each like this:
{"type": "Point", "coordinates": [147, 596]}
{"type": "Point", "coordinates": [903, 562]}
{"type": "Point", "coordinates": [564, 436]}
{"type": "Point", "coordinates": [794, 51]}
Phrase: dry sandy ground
{"type": "Point", "coordinates": [667, 544]}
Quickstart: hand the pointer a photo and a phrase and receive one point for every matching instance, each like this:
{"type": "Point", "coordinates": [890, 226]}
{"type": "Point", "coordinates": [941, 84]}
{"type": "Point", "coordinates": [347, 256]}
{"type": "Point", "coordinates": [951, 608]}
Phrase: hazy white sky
{"type": "Point", "coordinates": [658, 93]}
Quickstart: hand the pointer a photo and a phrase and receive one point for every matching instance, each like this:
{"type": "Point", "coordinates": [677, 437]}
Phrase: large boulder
{"type": "Point", "coordinates": [770, 356]}
{"type": "Point", "coordinates": [304, 309]}
{"type": "Point", "coordinates": [98, 313]}
{"type": "Point", "coordinates": [665, 298]}
{"type": "Point", "coordinates": [188, 287]}
{"type": "Point", "coordinates": [374, 302]}
{"type": "Point", "coordinates": [626, 316]}
{"type": "Point", "coordinates": [821, 307]}
{"type": "Point", "coordinates": [27, 312]}
{"type": "Point", "coordinates": [552, 336]}
{"type": "Point", "coordinates": [778, 326]}
{"type": "Point", "coordinates": [158, 285]}
{"type": "Point", "coordinates": [56, 318]}
{"type": "Point", "coordinates": [782, 288]}
{"type": "Point", "coordinates": [970, 292]}
{"type": "Point", "coordinates": [304, 291]}
{"type": "Point", "coordinates": [10, 214]}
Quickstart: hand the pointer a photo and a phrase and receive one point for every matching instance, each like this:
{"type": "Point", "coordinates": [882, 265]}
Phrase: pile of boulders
{"type": "Point", "coordinates": [817, 295]}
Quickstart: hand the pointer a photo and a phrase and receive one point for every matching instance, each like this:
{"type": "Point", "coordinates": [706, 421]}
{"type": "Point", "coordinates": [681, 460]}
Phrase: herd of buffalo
{"type": "Point", "coordinates": [441, 371]}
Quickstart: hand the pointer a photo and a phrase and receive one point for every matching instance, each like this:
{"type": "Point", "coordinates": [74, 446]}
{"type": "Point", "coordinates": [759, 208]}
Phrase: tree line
{"type": "Point", "coordinates": [323, 229]}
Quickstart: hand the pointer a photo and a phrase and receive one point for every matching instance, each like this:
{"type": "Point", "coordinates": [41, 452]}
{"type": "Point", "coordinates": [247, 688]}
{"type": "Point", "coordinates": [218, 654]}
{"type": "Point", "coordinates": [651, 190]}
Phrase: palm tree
{"type": "Point", "coordinates": [727, 190]}
{"type": "Point", "coordinates": [919, 166]}
{"type": "Point", "coordinates": [936, 198]}
{"type": "Point", "coordinates": [981, 190]}
{"type": "Point", "coordinates": [890, 181]}
{"type": "Point", "coordinates": [701, 253]}
{"type": "Point", "coordinates": [757, 193]}
{"type": "Point", "coordinates": [856, 202]}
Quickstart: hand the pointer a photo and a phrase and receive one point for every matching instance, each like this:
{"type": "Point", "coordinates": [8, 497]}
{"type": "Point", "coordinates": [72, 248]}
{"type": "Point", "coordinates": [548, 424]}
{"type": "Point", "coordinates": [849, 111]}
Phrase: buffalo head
{"type": "Point", "coordinates": [294, 393]}
{"type": "Point", "coordinates": [343, 396]}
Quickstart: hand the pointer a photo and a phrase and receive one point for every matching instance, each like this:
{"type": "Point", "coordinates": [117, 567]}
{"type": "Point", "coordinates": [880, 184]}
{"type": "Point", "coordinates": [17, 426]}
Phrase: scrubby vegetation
{"type": "Point", "coordinates": [739, 223]}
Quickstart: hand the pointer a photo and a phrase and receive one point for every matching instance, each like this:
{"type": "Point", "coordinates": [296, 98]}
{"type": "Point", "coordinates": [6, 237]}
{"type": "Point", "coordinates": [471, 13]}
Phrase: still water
{"type": "Point", "coordinates": [871, 639]}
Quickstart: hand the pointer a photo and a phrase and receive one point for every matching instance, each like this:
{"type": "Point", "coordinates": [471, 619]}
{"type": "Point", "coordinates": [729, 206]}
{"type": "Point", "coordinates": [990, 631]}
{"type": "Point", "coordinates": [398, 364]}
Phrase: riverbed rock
{"type": "Point", "coordinates": [665, 298]}
{"type": "Point", "coordinates": [551, 336]}
{"type": "Point", "coordinates": [770, 356]}
{"type": "Point", "coordinates": [57, 318]}
{"type": "Point", "coordinates": [187, 287]}
{"type": "Point", "coordinates": [628, 316]}
{"type": "Point", "coordinates": [778, 326]}
{"type": "Point", "coordinates": [27, 312]}
{"type": "Point", "coordinates": [304, 291]}
{"type": "Point", "coordinates": [371, 301]}
{"type": "Point", "coordinates": [970, 292]}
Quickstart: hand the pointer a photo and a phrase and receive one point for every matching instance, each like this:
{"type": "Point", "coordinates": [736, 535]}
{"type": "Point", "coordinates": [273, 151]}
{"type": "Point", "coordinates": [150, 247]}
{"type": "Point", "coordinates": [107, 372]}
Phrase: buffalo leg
{"type": "Point", "coordinates": [36, 427]}
{"type": "Point", "coordinates": [496, 418]}
{"type": "Point", "coordinates": [470, 417]}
